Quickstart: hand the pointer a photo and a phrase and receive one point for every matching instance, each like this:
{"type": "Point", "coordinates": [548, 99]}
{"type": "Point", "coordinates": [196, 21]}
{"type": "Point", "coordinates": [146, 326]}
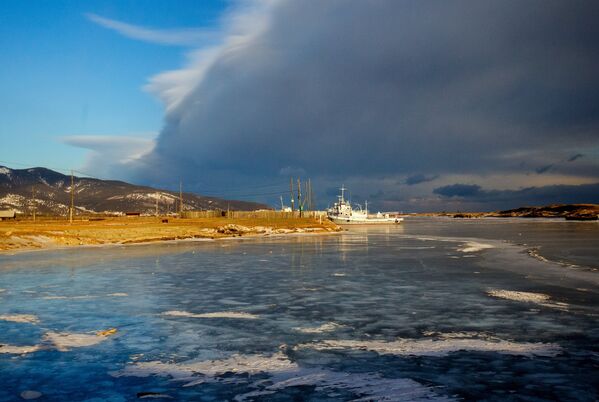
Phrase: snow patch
{"type": "Point", "coordinates": [13, 199]}
{"type": "Point", "coordinates": [247, 364]}
{"type": "Point", "coordinates": [328, 327]}
{"type": "Point", "coordinates": [472, 247]}
{"type": "Point", "coordinates": [23, 318]}
{"type": "Point", "coordinates": [61, 341]}
{"type": "Point", "coordinates": [441, 346]}
{"type": "Point", "coordinates": [217, 314]}
{"type": "Point", "coordinates": [527, 297]}
{"type": "Point", "coordinates": [31, 394]}
{"type": "Point", "coordinates": [68, 297]}
{"type": "Point", "coordinates": [283, 374]}
{"type": "Point", "coordinates": [83, 297]}
{"type": "Point", "coordinates": [19, 350]}
{"type": "Point", "coordinates": [65, 341]}
{"type": "Point", "coordinates": [369, 386]}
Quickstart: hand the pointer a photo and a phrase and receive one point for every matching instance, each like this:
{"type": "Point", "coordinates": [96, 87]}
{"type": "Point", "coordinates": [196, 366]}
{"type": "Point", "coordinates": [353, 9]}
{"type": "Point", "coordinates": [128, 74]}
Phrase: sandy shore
{"type": "Point", "coordinates": [47, 234]}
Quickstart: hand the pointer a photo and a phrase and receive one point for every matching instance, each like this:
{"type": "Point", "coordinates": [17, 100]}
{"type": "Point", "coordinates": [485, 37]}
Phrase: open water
{"type": "Point", "coordinates": [433, 309]}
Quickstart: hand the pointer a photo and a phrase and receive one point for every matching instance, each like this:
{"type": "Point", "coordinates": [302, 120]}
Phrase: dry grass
{"type": "Point", "coordinates": [23, 234]}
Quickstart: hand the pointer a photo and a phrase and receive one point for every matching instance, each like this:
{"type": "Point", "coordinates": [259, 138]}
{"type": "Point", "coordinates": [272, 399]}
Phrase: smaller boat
{"type": "Point", "coordinates": [342, 213]}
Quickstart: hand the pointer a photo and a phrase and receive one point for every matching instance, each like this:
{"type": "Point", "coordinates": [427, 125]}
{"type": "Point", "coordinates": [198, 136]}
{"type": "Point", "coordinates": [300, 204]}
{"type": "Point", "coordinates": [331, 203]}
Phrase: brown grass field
{"type": "Point", "coordinates": [50, 233]}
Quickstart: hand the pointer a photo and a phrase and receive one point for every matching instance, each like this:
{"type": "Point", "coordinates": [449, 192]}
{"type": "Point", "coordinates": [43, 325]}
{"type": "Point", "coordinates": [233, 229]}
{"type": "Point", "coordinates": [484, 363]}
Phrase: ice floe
{"type": "Point", "coordinates": [472, 247]}
{"type": "Point", "coordinates": [438, 346]}
{"type": "Point", "coordinates": [83, 297]}
{"type": "Point", "coordinates": [527, 297]}
{"type": "Point", "coordinates": [327, 327]}
{"type": "Point", "coordinates": [24, 318]}
{"type": "Point", "coordinates": [247, 364]}
{"type": "Point", "coordinates": [19, 350]}
{"type": "Point", "coordinates": [153, 395]}
{"type": "Point", "coordinates": [61, 341]}
{"type": "Point", "coordinates": [65, 341]}
{"type": "Point", "coordinates": [283, 374]}
{"type": "Point", "coordinates": [31, 394]}
{"type": "Point", "coordinates": [366, 386]}
{"type": "Point", "coordinates": [217, 314]}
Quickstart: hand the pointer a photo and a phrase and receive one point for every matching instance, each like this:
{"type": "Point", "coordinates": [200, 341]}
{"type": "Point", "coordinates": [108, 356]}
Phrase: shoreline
{"type": "Point", "coordinates": [255, 236]}
{"type": "Point", "coordinates": [26, 237]}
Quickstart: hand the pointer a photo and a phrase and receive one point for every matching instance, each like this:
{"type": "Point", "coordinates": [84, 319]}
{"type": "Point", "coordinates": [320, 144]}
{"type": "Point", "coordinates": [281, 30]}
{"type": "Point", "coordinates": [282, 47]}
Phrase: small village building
{"type": "Point", "coordinates": [8, 214]}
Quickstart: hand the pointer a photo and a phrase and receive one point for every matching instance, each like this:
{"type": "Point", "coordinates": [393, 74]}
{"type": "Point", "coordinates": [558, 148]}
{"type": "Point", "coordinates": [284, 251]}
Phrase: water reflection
{"type": "Point", "coordinates": [411, 312]}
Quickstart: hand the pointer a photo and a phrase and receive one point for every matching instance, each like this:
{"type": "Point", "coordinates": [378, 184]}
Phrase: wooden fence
{"type": "Point", "coordinates": [252, 214]}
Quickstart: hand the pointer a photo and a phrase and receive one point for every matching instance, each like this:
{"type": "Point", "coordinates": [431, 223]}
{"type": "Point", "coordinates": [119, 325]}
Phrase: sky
{"type": "Point", "coordinates": [412, 105]}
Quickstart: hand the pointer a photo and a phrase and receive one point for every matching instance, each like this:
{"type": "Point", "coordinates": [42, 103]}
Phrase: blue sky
{"type": "Point", "coordinates": [61, 74]}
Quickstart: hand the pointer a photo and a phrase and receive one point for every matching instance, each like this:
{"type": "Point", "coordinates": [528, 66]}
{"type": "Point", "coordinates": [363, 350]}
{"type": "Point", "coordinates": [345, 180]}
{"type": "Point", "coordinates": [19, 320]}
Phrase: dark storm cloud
{"type": "Point", "coordinates": [458, 190]}
{"type": "Point", "coordinates": [543, 169]}
{"type": "Point", "coordinates": [379, 88]}
{"type": "Point", "coordinates": [574, 157]}
{"type": "Point", "coordinates": [543, 195]}
{"type": "Point", "coordinates": [419, 178]}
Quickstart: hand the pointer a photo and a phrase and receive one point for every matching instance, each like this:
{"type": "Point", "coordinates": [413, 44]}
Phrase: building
{"type": "Point", "coordinates": [7, 214]}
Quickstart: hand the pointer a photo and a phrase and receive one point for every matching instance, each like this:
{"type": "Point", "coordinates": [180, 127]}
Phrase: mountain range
{"type": "Point", "coordinates": [50, 192]}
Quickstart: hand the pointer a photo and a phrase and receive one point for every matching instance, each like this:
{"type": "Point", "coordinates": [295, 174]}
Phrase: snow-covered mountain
{"type": "Point", "coordinates": [53, 192]}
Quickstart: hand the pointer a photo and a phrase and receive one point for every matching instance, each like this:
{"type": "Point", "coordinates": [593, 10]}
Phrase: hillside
{"type": "Point", "coordinates": [551, 211]}
{"type": "Point", "coordinates": [52, 195]}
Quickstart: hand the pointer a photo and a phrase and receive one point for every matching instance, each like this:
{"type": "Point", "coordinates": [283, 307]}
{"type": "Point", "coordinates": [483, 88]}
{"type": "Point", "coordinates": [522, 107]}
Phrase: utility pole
{"type": "Point", "coordinates": [304, 203]}
{"type": "Point", "coordinates": [157, 205]}
{"type": "Point", "coordinates": [299, 196]}
{"type": "Point", "coordinates": [180, 199]}
{"type": "Point", "coordinates": [309, 195]}
{"type": "Point", "coordinates": [33, 205]}
{"type": "Point", "coordinates": [312, 198]}
{"type": "Point", "coordinates": [291, 189]}
{"type": "Point", "coordinates": [72, 198]}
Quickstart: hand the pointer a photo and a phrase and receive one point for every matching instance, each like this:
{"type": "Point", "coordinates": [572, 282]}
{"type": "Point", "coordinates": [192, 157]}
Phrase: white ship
{"type": "Point", "coordinates": [342, 213]}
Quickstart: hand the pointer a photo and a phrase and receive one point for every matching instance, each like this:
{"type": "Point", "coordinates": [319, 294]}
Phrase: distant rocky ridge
{"type": "Point", "coordinates": [552, 211]}
{"type": "Point", "coordinates": [52, 195]}
{"type": "Point", "coordinates": [568, 211]}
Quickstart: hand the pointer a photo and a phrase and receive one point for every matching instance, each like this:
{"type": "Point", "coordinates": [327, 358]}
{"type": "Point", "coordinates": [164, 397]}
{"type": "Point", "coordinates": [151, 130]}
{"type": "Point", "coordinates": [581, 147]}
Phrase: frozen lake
{"type": "Point", "coordinates": [434, 309]}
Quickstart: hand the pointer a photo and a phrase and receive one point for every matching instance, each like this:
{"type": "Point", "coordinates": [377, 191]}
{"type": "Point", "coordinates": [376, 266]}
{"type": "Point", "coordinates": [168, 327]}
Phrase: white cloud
{"type": "Point", "coordinates": [108, 152]}
{"type": "Point", "coordinates": [177, 37]}
{"type": "Point", "coordinates": [240, 27]}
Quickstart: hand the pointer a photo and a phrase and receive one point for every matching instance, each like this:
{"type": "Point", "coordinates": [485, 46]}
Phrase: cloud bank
{"type": "Point", "coordinates": [385, 95]}
{"type": "Point", "coordinates": [475, 194]}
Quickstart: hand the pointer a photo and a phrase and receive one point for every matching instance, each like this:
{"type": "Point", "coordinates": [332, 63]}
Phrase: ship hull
{"type": "Point", "coordinates": [368, 221]}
